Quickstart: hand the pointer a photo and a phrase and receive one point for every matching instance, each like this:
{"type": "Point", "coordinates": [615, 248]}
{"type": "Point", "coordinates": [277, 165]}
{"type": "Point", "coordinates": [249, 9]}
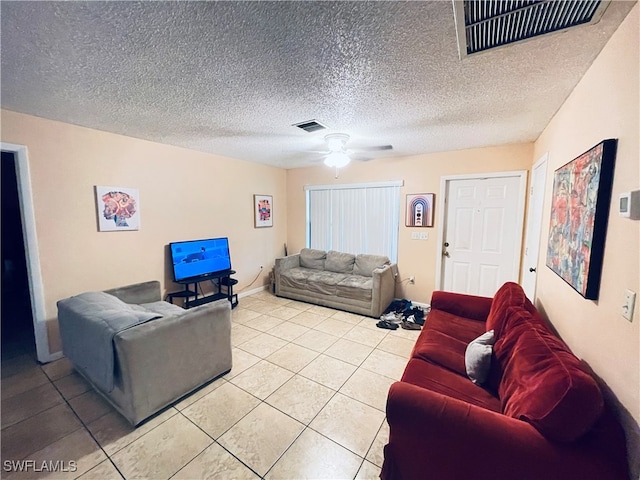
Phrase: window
{"type": "Point", "coordinates": [356, 218]}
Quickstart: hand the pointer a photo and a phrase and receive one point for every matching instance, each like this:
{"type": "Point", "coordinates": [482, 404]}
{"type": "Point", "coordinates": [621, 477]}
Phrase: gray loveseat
{"type": "Point", "coordinates": [140, 352]}
{"type": "Point", "coordinates": [363, 284]}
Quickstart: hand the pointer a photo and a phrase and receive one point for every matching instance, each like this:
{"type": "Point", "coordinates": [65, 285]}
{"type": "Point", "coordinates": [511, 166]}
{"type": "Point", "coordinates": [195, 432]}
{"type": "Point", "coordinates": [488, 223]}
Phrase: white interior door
{"type": "Point", "coordinates": [483, 233]}
{"type": "Point", "coordinates": [534, 225]}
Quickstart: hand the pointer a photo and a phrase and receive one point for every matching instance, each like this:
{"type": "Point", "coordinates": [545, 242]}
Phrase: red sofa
{"type": "Point", "coordinates": [539, 415]}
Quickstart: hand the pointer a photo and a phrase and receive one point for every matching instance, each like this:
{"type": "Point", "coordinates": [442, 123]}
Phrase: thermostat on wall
{"type": "Point", "coordinates": [629, 205]}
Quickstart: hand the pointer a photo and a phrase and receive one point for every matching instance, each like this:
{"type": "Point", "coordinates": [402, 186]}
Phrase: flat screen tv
{"type": "Point", "coordinates": [199, 258]}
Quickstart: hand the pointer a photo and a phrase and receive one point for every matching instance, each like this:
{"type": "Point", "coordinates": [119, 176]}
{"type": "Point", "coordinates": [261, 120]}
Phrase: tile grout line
{"type": "Point", "coordinates": [213, 441]}
{"type": "Point", "coordinates": [335, 392]}
{"type": "Point", "coordinates": [307, 425]}
{"type": "Point", "coordinates": [85, 427]}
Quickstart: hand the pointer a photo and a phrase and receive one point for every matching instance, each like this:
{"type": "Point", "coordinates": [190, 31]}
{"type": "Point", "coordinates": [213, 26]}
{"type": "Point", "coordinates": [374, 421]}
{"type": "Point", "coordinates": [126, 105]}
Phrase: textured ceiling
{"type": "Point", "coordinates": [231, 78]}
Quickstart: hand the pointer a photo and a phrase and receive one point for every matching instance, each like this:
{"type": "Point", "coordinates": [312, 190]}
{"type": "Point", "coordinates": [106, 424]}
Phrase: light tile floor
{"type": "Point", "coordinates": [305, 399]}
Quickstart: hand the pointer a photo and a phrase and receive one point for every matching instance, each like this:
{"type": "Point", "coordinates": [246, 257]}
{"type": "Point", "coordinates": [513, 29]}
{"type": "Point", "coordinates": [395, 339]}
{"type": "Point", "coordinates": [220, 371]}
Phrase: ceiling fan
{"type": "Point", "coordinates": [338, 155]}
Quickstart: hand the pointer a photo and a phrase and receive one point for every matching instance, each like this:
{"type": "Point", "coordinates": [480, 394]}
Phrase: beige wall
{"type": "Point", "coordinates": [603, 105]}
{"type": "Point", "coordinates": [184, 195]}
{"type": "Point", "coordinates": [421, 174]}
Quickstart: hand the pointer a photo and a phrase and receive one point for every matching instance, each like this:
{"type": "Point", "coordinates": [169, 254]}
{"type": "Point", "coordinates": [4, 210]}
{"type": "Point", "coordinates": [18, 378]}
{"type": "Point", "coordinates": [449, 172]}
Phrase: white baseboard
{"type": "Point", "coordinates": [251, 292]}
{"type": "Point", "coordinates": [53, 356]}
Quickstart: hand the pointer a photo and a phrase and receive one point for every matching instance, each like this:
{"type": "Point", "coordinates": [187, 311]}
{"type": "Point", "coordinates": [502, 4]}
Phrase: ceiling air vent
{"type": "Point", "coordinates": [310, 126]}
{"type": "Point", "coordinates": [485, 24]}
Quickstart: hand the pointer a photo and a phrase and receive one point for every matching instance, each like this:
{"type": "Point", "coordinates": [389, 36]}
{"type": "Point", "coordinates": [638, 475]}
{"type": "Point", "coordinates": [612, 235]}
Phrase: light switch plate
{"type": "Point", "coordinates": [628, 304]}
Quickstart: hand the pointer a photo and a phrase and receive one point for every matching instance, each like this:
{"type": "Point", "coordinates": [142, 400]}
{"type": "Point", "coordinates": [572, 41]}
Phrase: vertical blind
{"type": "Point", "coordinates": [357, 218]}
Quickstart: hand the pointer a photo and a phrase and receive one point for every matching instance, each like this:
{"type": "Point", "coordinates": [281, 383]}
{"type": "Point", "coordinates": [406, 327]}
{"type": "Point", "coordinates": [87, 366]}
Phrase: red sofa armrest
{"type": "Point", "coordinates": [435, 436]}
{"type": "Point", "coordinates": [467, 306]}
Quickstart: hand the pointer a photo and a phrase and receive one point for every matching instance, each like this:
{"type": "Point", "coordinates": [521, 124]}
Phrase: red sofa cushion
{"type": "Point", "coordinates": [509, 295]}
{"type": "Point", "coordinates": [442, 380]}
{"type": "Point", "coordinates": [437, 347]}
{"type": "Point", "coordinates": [463, 329]}
{"type": "Point", "coordinates": [543, 383]}
{"type": "Point", "coordinates": [467, 306]}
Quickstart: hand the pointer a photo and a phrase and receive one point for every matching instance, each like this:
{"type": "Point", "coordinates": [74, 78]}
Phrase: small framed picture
{"type": "Point", "coordinates": [263, 211]}
{"type": "Point", "coordinates": [420, 210]}
{"type": "Point", "coordinates": [118, 208]}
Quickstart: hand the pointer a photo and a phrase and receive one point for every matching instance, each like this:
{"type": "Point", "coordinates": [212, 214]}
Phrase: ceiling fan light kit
{"type": "Point", "coordinates": [337, 159]}
{"type": "Point", "coordinates": [337, 155]}
{"type": "Point", "coordinates": [337, 142]}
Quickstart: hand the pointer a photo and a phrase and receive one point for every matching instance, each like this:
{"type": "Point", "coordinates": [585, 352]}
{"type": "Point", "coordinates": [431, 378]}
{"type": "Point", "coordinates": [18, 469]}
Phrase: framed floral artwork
{"type": "Point", "coordinates": [118, 208]}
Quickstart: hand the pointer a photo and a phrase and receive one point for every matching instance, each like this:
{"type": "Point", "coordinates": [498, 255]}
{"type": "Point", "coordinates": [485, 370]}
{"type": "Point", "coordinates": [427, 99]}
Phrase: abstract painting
{"type": "Point", "coordinates": [419, 210]}
{"type": "Point", "coordinates": [263, 211]}
{"type": "Point", "coordinates": [118, 208]}
{"type": "Point", "coordinates": [579, 215]}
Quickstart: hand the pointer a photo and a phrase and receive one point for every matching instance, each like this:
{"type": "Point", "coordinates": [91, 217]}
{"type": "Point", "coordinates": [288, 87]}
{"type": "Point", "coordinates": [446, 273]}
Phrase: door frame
{"type": "Point", "coordinates": [34, 273]}
{"type": "Point", "coordinates": [542, 162]}
{"type": "Point", "coordinates": [442, 214]}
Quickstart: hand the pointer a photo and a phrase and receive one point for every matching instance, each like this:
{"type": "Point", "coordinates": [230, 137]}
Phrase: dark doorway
{"type": "Point", "coordinates": [17, 322]}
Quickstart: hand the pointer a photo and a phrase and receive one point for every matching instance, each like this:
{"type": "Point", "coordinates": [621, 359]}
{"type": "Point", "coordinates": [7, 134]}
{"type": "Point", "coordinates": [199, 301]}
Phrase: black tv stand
{"type": "Point", "coordinates": [219, 279]}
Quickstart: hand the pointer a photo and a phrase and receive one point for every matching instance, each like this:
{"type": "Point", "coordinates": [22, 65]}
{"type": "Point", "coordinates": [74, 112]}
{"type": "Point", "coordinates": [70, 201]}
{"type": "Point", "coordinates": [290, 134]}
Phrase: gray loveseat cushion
{"type": "Point", "coordinates": [321, 281]}
{"type": "Point", "coordinates": [365, 264]}
{"type": "Point", "coordinates": [311, 258]}
{"type": "Point", "coordinates": [355, 287]}
{"type": "Point", "coordinates": [295, 277]}
{"type": "Point", "coordinates": [339, 262]}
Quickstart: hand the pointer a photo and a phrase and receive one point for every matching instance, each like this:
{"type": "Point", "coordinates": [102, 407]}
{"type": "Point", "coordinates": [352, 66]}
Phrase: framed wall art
{"type": "Point", "coordinates": [263, 211]}
{"type": "Point", "coordinates": [579, 214]}
{"type": "Point", "coordinates": [118, 208]}
{"type": "Point", "coordinates": [420, 210]}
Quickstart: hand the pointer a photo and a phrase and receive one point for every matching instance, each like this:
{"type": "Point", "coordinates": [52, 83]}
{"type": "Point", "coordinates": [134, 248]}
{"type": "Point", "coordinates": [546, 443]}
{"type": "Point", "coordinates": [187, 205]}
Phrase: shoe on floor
{"type": "Point", "coordinates": [391, 317]}
{"type": "Point", "coordinates": [407, 325]}
{"type": "Point", "coordinates": [386, 324]}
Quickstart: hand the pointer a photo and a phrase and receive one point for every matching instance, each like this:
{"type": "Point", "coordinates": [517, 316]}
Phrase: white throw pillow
{"type": "Point", "coordinates": [477, 357]}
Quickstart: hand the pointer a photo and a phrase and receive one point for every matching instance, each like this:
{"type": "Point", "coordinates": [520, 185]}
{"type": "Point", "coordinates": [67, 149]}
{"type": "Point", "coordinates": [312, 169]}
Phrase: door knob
{"type": "Point", "coordinates": [446, 254]}
{"type": "Point", "coordinates": [532, 269]}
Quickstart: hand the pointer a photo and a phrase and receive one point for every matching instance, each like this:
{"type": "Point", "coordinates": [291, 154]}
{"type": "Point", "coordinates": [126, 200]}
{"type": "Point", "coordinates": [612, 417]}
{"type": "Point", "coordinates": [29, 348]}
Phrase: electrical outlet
{"type": "Point", "coordinates": [424, 235]}
{"type": "Point", "coordinates": [415, 235]}
{"type": "Point", "coordinates": [412, 280]}
{"type": "Point", "coordinates": [628, 304]}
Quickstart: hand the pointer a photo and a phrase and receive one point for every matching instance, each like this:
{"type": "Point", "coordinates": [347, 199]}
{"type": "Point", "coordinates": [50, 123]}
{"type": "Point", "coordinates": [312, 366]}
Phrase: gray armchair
{"type": "Point", "coordinates": [140, 353]}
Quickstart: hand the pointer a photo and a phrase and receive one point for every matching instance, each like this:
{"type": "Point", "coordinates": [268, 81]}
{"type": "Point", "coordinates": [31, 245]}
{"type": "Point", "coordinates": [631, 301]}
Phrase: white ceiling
{"type": "Point", "coordinates": [231, 78]}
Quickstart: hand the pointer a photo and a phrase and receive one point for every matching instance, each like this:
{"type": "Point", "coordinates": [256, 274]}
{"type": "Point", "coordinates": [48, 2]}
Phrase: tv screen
{"type": "Point", "coordinates": [198, 258]}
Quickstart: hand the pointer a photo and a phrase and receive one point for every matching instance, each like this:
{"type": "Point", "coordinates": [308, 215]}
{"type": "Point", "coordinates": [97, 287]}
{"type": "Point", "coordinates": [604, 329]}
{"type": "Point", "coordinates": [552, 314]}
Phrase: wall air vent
{"type": "Point", "coordinates": [310, 126]}
{"type": "Point", "coordinates": [485, 24]}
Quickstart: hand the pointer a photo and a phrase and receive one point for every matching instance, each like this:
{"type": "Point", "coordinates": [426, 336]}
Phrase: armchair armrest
{"type": "Point", "coordinates": [285, 263]}
{"type": "Point", "coordinates": [467, 306]}
{"type": "Point", "coordinates": [161, 360]}
{"type": "Point", "coordinates": [459, 440]}
{"type": "Point", "coordinates": [384, 288]}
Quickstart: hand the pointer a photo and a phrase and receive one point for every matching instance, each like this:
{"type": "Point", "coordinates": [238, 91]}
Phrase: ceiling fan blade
{"type": "Point", "coordinates": [376, 148]}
